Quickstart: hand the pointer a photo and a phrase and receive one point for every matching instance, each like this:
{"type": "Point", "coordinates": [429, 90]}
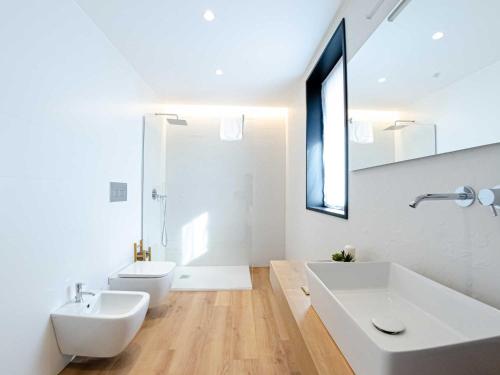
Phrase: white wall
{"type": "Point", "coordinates": [70, 122]}
{"type": "Point", "coordinates": [226, 200]}
{"type": "Point", "coordinates": [465, 112]}
{"type": "Point", "coordinates": [458, 247]}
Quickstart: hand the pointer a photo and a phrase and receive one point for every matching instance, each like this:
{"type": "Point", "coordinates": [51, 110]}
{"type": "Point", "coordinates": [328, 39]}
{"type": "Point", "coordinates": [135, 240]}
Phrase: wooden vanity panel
{"type": "Point", "coordinates": [315, 350]}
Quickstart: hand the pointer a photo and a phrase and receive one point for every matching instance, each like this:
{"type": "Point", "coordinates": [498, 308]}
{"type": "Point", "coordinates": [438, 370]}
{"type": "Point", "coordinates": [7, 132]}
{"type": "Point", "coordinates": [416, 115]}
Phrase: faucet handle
{"type": "Point", "coordinates": [490, 197]}
{"type": "Point", "coordinates": [79, 287]}
{"type": "Point", "coordinates": [79, 291]}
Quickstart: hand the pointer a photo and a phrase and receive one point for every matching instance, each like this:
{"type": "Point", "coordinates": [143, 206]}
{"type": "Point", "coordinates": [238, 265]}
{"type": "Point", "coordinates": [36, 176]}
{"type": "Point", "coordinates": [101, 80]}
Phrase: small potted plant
{"type": "Point", "coordinates": [345, 255]}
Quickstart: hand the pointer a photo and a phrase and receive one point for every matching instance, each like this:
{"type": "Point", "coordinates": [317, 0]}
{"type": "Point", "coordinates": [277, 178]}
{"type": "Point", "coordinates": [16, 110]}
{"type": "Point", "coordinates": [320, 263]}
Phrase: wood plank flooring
{"type": "Point", "coordinates": [226, 332]}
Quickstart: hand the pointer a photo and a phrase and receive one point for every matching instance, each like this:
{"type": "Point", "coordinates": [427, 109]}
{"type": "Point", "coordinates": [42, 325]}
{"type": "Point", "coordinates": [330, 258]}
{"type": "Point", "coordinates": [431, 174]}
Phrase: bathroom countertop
{"type": "Point", "coordinates": [316, 351]}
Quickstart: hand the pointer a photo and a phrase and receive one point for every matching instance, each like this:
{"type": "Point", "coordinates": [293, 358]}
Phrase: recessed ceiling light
{"type": "Point", "coordinates": [219, 72]}
{"type": "Point", "coordinates": [382, 80]}
{"type": "Point", "coordinates": [437, 35]}
{"type": "Point", "coordinates": [209, 15]}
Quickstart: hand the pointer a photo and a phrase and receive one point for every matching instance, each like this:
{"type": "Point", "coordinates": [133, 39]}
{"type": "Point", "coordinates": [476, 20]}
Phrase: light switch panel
{"type": "Point", "coordinates": [117, 191]}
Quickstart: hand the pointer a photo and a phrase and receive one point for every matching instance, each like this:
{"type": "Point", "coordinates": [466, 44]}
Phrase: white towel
{"type": "Point", "coordinates": [361, 132]}
{"type": "Point", "coordinates": [231, 128]}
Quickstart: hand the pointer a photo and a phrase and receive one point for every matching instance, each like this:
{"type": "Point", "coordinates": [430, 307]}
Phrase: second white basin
{"type": "Point", "coordinates": [100, 326]}
{"type": "Point", "coordinates": [440, 330]}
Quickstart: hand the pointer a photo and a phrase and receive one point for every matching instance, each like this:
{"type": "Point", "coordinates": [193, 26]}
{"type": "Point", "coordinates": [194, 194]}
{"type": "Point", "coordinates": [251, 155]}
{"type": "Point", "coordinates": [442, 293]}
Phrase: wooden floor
{"type": "Point", "coordinates": [227, 332]}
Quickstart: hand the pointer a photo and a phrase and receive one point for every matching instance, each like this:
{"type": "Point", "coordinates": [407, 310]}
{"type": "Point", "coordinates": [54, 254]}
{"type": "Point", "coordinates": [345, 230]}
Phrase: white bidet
{"type": "Point", "coordinates": [101, 326]}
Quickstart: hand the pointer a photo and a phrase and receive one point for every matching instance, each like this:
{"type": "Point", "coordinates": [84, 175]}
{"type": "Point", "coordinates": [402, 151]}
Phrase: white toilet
{"type": "Point", "coordinates": [154, 278]}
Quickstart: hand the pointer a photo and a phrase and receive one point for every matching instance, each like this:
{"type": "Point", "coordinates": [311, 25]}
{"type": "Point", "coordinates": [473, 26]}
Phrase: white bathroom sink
{"type": "Point", "coordinates": [100, 326]}
{"type": "Point", "coordinates": [441, 331]}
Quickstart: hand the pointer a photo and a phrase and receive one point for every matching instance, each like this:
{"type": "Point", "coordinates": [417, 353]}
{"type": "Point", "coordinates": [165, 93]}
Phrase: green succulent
{"type": "Point", "coordinates": [342, 256]}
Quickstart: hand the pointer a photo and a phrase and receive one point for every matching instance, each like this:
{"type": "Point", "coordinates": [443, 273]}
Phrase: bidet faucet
{"type": "Point", "coordinates": [464, 196]}
{"type": "Point", "coordinates": [79, 292]}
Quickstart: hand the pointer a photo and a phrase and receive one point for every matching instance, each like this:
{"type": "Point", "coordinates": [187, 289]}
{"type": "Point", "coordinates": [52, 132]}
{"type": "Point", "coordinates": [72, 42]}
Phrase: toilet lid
{"type": "Point", "coordinates": [147, 269]}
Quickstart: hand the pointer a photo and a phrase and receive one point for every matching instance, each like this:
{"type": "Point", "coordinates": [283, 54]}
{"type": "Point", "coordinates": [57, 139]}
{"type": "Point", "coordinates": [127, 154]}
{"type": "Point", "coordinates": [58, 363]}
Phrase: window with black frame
{"type": "Point", "coordinates": [326, 138]}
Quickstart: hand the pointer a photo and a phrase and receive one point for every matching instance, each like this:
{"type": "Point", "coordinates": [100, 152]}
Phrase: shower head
{"type": "Point", "coordinates": [399, 124]}
{"type": "Point", "coordinates": [173, 121]}
{"type": "Point", "coordinates": [177, 121]}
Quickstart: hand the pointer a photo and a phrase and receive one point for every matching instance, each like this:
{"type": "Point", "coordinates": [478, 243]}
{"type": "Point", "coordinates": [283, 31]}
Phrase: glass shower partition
{"type": "Point", "coordinates": [208, 184]}
{"type": "Point", "coordinates": [153, 179]}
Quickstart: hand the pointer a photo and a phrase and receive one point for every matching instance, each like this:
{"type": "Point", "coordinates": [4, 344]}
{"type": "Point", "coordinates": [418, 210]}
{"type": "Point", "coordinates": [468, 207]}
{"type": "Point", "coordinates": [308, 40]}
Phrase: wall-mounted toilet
{"type": "Point", "coordinates": [154, 278]}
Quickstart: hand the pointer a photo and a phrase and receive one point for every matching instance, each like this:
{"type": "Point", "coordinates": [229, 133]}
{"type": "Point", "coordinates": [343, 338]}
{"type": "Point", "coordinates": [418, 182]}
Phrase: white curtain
{"type": "Point", "coordinates": [332, 93]}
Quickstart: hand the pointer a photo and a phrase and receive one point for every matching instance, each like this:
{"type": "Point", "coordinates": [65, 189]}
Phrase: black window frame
{"type": "Point", "coordinates": [333, 52]}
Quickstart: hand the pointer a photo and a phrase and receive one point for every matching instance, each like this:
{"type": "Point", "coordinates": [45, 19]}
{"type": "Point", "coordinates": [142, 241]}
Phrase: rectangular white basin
{"type": "Point", "coordinates": [445, 332]}
{"type": "Point", "coordinates": [100, 326]}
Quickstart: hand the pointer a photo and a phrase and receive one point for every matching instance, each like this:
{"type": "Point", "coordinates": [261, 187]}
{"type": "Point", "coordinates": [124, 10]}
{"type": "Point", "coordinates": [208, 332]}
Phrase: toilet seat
{"type": "Point", "coordinates": [147, 269]}
{"type": "Point", "coordinates": [154, 278]}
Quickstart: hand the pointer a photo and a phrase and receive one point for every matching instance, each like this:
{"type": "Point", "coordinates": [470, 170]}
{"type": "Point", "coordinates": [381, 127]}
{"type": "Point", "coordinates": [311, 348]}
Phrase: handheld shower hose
{"type": "Point", "coordinates": [163, 211]}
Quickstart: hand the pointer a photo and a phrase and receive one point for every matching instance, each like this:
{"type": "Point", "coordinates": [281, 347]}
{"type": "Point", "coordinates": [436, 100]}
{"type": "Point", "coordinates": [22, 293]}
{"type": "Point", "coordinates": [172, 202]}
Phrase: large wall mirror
{"type": "Point", "coordinates": [426, 82]}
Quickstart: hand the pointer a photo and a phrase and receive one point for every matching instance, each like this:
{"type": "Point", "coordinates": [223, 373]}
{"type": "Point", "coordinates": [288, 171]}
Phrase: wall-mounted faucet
{"type": "Point", "coordinates": [79, 292]}
{"type": "Point", "coordinates": [490, 197]}
{"type": "Point", "coordinates": [464, 196]}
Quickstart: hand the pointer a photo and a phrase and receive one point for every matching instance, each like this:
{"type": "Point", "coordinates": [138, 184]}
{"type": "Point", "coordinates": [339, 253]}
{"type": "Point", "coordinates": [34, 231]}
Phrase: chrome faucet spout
{"type": "Point", "coordinates": [418, 199]}
{"type": "Point", "coordinates": [461, 194]}
{"type": "Point", "coordinates": [438, 197]}
{"type": "Point", "coordinates": [80, 292]}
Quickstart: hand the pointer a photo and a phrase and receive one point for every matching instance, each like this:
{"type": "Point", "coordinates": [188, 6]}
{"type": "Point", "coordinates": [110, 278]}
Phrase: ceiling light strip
{"type": "Point", "coordinates": [399, 8]}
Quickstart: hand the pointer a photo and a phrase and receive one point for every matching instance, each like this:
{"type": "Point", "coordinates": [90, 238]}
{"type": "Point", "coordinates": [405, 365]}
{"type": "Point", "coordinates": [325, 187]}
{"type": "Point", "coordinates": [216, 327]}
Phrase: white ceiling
{"type": "Point", "coordinates": [262, 46]}
{"type": "Point", "coordinates": [406, 55]}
